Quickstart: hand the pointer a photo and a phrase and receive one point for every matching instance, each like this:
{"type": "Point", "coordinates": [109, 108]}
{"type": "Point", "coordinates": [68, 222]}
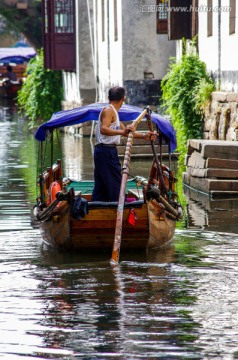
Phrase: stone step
{"type": "Point", "coordinates": [207, 185]}
{"type": "Point", "coordinates": [196, 160]}
{"type": "Point", "coordinates": [86, 128]}
{"type": "Point", "coordinates": [216, 194]}
{"type": "Point", "coordinates": [212, 204]}
{"type": "Point", "coordinates": [221, 163]}
{"type": "Point", "coordinates": [220, 149]}
{"type": "Point", "coordinates": [140, 149]}
{"type": "Point", "coordinates": [213, 173]}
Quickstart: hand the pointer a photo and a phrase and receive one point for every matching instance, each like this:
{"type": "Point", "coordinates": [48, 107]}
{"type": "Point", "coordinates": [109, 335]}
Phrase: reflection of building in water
{"type": "Point", "coordinates": [78, 160]}
{"type": "Point", "coordinates": [219, 214]}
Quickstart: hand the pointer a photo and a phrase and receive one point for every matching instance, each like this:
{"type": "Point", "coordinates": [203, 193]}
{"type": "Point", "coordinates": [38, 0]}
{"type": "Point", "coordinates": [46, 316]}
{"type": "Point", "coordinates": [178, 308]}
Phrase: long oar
{"type": "Point", "coordinates": [121, 201]}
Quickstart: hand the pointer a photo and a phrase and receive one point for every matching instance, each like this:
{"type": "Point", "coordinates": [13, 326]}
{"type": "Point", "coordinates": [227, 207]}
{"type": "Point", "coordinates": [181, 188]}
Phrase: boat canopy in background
{"type": "Point", "coordinates": [92, 111]}
{"type": "Point", "coordinates": [17, 55]}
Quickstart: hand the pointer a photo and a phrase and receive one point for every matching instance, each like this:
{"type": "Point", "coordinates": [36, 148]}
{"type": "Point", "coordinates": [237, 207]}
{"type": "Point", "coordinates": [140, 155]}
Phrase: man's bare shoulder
{"type": "Point", "coordinates": [108, 112]}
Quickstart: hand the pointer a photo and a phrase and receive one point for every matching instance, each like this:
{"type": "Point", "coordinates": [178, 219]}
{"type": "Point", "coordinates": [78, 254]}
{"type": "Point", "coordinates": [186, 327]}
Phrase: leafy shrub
{"type": "Point", "coordinates": [41, 93]}
{"type": "Point", "coordinates": [186, 88]}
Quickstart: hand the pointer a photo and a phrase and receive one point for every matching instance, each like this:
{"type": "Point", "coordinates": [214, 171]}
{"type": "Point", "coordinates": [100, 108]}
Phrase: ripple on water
{"type": "Point", "coordinates": [177, 303]}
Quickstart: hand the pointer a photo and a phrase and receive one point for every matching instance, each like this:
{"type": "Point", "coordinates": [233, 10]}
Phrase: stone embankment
{"type": "Point", "coordinates": [141, 148]}
{"type": "Point", "coordinates": [212, 167]}
{"type": "Point", "coordinates": [221, 117]}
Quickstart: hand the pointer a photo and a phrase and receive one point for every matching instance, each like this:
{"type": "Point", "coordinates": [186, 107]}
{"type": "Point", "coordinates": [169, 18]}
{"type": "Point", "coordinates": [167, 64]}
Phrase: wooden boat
{"type": "Point", "coordinates": [9, 89]}
{"type": "Point", "coordinates": [67, 217]}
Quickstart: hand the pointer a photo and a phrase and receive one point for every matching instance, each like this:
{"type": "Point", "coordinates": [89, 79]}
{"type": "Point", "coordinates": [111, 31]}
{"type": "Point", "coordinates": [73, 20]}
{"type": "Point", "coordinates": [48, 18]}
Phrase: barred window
{"type": "Point", "coordinates": [46, 17]}
{"type": "Point", "coordinates": [59, 36]}
{"type": "Point", "coordinates": [162, 16]}
{"type": "Point", "coordinates": [63, 12]}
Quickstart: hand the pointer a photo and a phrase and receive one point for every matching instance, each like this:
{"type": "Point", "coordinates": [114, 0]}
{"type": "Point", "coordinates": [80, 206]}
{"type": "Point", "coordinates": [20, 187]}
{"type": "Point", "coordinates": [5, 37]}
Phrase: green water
{"type": "Point", "coordinates": [176, 303]}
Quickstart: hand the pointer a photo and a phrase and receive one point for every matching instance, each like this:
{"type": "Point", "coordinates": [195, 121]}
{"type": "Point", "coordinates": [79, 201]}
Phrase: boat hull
{"type": "Point", "coordinates": [97, 229]}
{"type": "Point", "coordinates": [10, 90]}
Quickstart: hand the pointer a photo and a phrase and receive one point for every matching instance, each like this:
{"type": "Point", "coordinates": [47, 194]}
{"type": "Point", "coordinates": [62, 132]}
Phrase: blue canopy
{"type": "Point", "coordinates": [17, 59]}
{"type": "Point", "coordinates": [11, 54]}
{"type": "Point", "coordinates": [92, 111]}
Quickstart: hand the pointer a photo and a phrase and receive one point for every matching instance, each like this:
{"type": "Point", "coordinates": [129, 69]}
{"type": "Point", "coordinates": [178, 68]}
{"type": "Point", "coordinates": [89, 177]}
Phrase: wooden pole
{"type": "Point", "coordinates": [159, 197]}
{"type": "Point", "coordinates": [160, 173]}
{"type": "Point", "coordinates": [42, 193]}
{"type": "Point", "coordinates": [121, 201]}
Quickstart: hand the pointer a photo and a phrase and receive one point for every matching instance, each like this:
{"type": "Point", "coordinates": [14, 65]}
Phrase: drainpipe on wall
{"type": "Point", "coordinates": [77, 51]}
{"type": "Point", "coordinates": [219, 46]}
{"type": "Point", "coordinates": [108, 41]}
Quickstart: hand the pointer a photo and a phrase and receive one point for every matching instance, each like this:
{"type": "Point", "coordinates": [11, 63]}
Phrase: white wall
{"type": "Point", "coordinates": [115, 45]}
{"type": "Point", "coordinates": [109, 51]}
{"type": "Point", "coordinates": [79, 86]}
{"type": "Point", "coordinates": [143, 49]}
{"type": "Point", "coordinates": [138, 49]}
{"type": "Point", "coordinates": [208, 46]}
{"type": "Point", "coordinates": [71, 88]}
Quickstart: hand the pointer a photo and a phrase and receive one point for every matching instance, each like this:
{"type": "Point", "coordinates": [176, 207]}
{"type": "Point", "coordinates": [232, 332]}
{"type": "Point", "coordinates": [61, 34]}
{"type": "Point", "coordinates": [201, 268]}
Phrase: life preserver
{"type": "Point", "coordinates": [54, 188]}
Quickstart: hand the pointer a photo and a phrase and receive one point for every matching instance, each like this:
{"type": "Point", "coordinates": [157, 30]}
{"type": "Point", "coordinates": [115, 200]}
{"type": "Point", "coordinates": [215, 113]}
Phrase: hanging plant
{"type": "Point", "coordinates": [41, 93]}
{"type": "Point", "coordinates": [186, 89]}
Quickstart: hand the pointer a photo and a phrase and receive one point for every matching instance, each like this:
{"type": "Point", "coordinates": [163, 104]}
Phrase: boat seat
{"type": "Point", "coordinates": [105, 204]}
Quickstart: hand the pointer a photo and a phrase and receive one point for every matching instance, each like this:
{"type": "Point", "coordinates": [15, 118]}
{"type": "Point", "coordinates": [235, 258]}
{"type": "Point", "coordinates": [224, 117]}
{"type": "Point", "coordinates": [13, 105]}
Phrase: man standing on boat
{"type": "Point", "coordinates": [109, 129]}
{"type": "Point", "coordinates": [9, 74]}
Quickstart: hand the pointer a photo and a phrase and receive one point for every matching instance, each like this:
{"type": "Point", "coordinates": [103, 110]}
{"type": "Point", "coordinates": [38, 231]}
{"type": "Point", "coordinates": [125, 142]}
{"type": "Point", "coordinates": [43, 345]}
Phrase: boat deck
{"type": "Point", "coordinates": [86, 187]}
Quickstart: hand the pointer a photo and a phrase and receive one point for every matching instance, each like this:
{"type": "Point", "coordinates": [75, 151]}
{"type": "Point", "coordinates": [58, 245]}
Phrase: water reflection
{"type": "Point", "coordinates": [78, 159]}
{"type": "Point", "coordinates": [109, 312]}
{"type": "Point", "coordinates": [214, 271]}
{"type": "Point", "coordinates": [219, 214]}
{"type": "Point", "coordinates": [14, 206]}
{"type": "Point", "coordinates": [177, 303]}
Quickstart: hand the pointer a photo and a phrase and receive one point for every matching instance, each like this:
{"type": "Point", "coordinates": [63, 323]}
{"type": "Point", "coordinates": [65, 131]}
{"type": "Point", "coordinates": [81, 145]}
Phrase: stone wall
{"type": "Point", "coordinates": [143, 93]}
{"type": "Point", "coordinates": [221, 117]}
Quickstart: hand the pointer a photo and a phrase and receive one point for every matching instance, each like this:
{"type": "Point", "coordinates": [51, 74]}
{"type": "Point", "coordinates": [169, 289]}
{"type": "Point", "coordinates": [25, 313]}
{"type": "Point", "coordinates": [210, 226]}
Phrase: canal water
{"type": "Point", "coordinates": [179, 303]}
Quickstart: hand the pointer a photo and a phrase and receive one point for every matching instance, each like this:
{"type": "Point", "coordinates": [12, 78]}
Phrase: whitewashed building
{"type": "Point", "coordinates": [218, 48]}
{"type": "Point", "coordinates": [216, 26]}
{"type": "Point", "coordinates": [102, 43]}
{"type": "Point", "coordinates": [132, 49]}
{"type": "Point", "coordinates": [218, 41]}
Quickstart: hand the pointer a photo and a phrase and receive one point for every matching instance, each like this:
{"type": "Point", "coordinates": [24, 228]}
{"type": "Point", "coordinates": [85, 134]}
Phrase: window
{"type": "Point", "coordinates": [59, 34]}
{"type": "Point", "coordinates": [179, 19]}
{"type": "Point", "coordinates": [63, 21]}
{"type": "Point", "coordinates": [162, 16]}
{"type": "Point", "coordinates": [46, 25]}
{"type": "Point", "coordinates": [232, 20]}
{"type": "Point", "coordinates": [209, 17]}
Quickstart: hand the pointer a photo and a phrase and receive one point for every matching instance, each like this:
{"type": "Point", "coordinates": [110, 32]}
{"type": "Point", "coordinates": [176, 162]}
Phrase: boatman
{"type": "Point", "coordinates": [109, 129]}
{"type": "Point", "coordinates": [9, 74]}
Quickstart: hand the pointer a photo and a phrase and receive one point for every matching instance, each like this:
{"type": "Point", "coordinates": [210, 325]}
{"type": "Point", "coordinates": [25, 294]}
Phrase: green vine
{"type": "Point", "coordinates": [41, 93]}
{"type": "Point", "coordinates": [186, 90]}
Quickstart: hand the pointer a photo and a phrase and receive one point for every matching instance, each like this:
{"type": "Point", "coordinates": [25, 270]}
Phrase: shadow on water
{"type": "Point", "coordinates": [176, 303]}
